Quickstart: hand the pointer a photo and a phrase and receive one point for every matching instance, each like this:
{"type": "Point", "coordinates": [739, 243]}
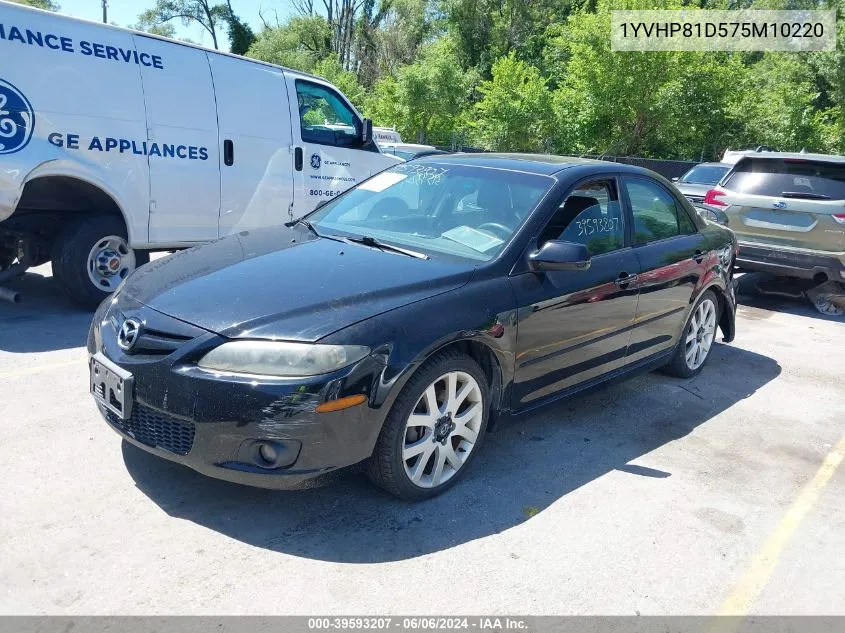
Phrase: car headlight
{"type": "Point", "coordinates": [272, 358]}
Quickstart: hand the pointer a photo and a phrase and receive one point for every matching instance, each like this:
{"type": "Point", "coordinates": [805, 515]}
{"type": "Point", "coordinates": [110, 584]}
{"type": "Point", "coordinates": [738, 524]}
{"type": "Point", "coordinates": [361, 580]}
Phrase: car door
{"type": "Point", "coordinates": [574, 325]}
{"type": "Point", "coordinates": [672, 256]}
{"type": "Point", "coordinates": [329, 154]}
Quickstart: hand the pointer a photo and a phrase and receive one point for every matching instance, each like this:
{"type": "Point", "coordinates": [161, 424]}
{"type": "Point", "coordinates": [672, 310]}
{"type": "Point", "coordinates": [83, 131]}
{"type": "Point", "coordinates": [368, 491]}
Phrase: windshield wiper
{"type": "Point", "coordinates": [804, 194]}
{"type": "Point", "coordinates": [372, 242]}
{"type": "Point", "coordinates": [304, 222]}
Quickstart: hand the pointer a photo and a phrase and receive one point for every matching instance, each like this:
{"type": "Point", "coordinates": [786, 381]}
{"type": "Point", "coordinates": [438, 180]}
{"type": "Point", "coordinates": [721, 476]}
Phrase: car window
{"type": "Point", "coordinates": [324, 117]}
{"type": "Point", "coordinates": [459, 210]}
{"type": "Point", "coordinates": [704, 175]}
{"type": "Point", "coordinates": [789, 178]}
{"type": "Point", "coordinates": [590, 215]}
{"type": "Point", "coordinates": [656, 213]}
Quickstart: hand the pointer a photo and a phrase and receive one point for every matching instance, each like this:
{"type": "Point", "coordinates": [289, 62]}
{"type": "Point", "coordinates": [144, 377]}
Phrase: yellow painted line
{"type": "Point", "coordinates": [764, 562]}
{"type": "Point", "coordinates": [35, 370]}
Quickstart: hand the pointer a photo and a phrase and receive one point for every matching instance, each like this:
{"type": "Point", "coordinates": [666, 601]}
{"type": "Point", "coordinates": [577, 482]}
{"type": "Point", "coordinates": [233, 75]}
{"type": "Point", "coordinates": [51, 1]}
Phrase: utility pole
{"type": "Point", "coordinates": [105, 12]}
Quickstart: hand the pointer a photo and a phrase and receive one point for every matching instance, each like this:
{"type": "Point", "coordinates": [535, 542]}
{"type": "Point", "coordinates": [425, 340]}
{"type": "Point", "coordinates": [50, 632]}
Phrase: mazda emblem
{"type": "Point", "coordinates": [128, 334]}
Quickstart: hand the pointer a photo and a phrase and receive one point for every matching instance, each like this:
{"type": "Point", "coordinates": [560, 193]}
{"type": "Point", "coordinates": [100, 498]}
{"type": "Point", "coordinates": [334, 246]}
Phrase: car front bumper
{"type": "Point", "coordinates": [215, 423]}
{"type": "Point", "coordinates": [790, 263]}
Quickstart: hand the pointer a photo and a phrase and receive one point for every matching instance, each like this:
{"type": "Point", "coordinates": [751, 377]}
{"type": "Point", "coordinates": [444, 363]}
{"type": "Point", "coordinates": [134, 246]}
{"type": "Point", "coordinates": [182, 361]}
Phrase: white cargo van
{"type": "Point", "coordinates": [114, 143]}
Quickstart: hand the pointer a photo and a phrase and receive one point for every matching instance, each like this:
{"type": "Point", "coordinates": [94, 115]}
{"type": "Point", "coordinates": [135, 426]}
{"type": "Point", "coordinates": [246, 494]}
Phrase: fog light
{"type": "Point", "coordinates": [268, 453]}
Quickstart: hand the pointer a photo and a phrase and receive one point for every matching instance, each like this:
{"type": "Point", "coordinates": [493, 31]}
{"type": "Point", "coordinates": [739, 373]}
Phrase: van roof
{"type": "Point", "coordinates": [116, 27]}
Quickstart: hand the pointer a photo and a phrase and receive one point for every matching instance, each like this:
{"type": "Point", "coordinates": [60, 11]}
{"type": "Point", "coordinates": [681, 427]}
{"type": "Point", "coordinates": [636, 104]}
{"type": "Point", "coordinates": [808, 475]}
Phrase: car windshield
{"type": "Point", "coordinates": [789, 177]}
{"type": "Point", "coordinates": [704, 175]}
{"type": "Point", "coordinates": [458, 210]}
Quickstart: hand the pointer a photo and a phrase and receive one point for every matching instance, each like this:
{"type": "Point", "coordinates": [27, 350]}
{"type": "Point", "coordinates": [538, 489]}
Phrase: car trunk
{"type": "Point", "coordinates": [784, 202]}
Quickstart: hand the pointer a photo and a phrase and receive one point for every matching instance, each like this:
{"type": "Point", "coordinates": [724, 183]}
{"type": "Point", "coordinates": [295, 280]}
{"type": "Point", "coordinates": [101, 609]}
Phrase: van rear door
{"type": "Point", "coordinates": [256, 162]}
{"type": "Point", "coordinates": [327, 129]}
{"type": "Point", "coordinates": [788, 202]}
{"type": "Point", "coordinates": [181, 143]}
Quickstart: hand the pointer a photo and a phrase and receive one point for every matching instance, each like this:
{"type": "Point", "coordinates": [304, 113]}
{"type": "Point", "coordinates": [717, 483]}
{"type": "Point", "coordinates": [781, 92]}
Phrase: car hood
{"type": "Point", "coordinates": [286, 283]}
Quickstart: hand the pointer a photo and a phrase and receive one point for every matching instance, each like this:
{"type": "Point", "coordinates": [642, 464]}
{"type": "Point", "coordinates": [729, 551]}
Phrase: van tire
{"type": "Point", "coordinates": [73, 249]}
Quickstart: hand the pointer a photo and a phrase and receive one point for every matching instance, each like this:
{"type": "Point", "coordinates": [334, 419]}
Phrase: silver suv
{"type": "Point", "coordinates": [788, 213]}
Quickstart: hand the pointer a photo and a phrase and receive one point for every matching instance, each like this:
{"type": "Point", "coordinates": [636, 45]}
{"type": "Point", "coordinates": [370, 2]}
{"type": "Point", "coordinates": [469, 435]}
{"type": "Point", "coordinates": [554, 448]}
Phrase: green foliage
{"type": "Point", "coordinates": [165, 30]}
{"type": "Point", "coordinates": [299, 44]}
{"type": "Point", "coordinates": [515, 108]}
{"type": "Point", "coordinates": [539, 75]}
{"type": "Point", "coordinates": [241, 36]}
{"type": "Point", "coordinates": [49, 5]}
{"type": "Point", "coordinates": [425, 100]}
{"type": "Point", "coordinates": [208, 15]}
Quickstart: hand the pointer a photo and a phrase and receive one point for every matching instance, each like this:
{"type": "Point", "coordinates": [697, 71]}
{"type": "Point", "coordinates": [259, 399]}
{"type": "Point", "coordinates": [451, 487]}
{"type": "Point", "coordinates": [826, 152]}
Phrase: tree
{"type": "Point", "coordinates": [208, 15]}
{"type": "Point", "coordinates": [164, 30]}
{"type": "Point", "coordinates": [241, 36]}
{"type": "Point", "coordinates": [515, 108]}
{"type": "Point", "coordinates": [49, 5]}
{"type": "Point", "coordinates": [298, 44]}
{"type": "Point", "coordinates": [667, 104]}
{"type": "Point", "coordinates": [425, 101]}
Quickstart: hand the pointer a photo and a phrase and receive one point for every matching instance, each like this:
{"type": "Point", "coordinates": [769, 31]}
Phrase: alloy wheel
{"type": "Point", "coordinates": [442, 429]}
{"type": "Point", "coordinates": [700, 333]}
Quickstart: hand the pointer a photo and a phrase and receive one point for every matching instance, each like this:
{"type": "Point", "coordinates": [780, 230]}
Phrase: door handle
{"type": "Point", "coordinates": [228, 153]}
{"type": "Point", "coordinates": [625, 279]}
{"type": "Point", "coordinates": [698, 256]}
{"type": "Point", "coordinates": [297, 158]}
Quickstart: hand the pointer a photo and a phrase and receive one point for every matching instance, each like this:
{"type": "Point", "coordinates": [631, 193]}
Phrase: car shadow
{"type": "Point", "coordinates": [777, 294]}
{"type": "Point", "coordinates": [525, 465]}
{"type": "Point", "coordinates": [44, 320]}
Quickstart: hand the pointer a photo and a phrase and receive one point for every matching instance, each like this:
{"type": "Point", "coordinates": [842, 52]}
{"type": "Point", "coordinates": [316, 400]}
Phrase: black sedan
{"type": "Point", "coordinates": [392, 325]}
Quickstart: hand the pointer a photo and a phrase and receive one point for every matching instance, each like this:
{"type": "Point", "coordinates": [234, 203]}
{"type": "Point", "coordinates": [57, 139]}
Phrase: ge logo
{"type": "Point", "coordinates": [16, 119]}
{"type": "Point", "coordinates": [315, 161]}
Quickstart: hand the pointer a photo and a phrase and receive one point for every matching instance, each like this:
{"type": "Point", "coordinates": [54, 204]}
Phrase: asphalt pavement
{"type": "Point", "coordinates": [723, 493]}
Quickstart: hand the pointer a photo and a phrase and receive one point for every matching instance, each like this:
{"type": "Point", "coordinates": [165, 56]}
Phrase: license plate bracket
{"type": "Point", "coordinates": [111, 386]}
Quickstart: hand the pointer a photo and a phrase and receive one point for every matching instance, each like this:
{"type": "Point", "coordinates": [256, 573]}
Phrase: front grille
{"type": "Point", "coordinates": [695, 199]}
{"type": "Point", "coordinates": [153, 342]}
{"type": "Point", "coordinates": [155, 429]}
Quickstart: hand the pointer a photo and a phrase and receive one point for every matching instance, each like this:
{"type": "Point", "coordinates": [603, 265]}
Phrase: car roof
{"type": "Point", "coordinates": [825, 158]}
{"type": "Point", "coordinates": [543, 164]}
{"type": "Point", "coordinates": [714, 164]}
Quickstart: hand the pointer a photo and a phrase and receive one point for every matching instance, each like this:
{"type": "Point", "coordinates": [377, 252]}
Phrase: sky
{"type": "Point", "coordinates": [125, 13]}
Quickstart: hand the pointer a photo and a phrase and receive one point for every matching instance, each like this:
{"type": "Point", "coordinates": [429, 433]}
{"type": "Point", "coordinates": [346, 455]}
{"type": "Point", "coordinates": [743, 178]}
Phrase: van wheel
{"type": "Point", "coordinates": [92, 256]}
{"type": "Point", "coordinates": [433, 430]}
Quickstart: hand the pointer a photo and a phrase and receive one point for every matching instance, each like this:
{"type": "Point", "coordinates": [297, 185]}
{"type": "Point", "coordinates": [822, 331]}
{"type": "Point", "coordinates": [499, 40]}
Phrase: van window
{"type": "Point", "coordinates": [324, 117]}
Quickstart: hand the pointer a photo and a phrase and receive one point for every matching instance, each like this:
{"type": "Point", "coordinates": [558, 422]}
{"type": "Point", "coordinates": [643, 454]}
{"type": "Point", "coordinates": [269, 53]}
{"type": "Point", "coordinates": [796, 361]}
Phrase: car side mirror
{"type": "Point", "coordinates": [557, 255]}
{"type": "Point", "coordinates": [367, 132]}
{"type": "Point", "coordinates": [675, 178]}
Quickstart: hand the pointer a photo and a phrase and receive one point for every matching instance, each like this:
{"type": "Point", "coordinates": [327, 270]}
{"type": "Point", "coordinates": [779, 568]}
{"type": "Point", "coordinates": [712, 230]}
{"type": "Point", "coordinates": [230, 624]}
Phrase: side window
{"type": "Point", "coordinates": [324, 117]}
{"type": "Point", "coordinates": [657, 215]}
{"type": "Point", "coordinates": [590, 215]}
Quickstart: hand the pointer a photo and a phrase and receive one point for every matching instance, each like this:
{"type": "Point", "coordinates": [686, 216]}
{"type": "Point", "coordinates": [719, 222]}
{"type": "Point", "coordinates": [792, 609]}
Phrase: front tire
{"type": "Point", "coordinates": [92, 256]}
{"type": "Point", "coordinates": [433, 430]}
{"type": "Point", "coordinates": [697, 338]}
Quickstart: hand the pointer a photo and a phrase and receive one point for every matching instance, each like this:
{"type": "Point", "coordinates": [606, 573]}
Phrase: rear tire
{"type": "Point", "coordinates": [91, 256]}
{"type": "Point", "coordinates": [430, 436]}
{"type": "Point", "coordinates": [697, 338]}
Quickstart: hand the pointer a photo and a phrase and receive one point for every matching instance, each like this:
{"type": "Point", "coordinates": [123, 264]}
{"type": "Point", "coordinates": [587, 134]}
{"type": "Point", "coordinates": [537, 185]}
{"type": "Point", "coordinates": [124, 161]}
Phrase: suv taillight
{"type": "Point", "coordinates": [839, 217]}
{"type": "Point", "coordinates": [712, 198]}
